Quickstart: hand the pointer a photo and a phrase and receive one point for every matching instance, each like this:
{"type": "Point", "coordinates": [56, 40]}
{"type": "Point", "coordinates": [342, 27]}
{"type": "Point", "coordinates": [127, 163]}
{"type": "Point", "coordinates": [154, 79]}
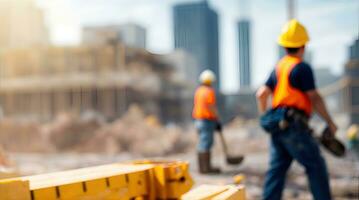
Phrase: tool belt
{"type": "Point", "coordinates": [279, 119]}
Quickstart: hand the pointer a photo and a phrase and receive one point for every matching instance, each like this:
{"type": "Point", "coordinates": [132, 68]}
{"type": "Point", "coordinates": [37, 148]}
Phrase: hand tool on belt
{"type": "Point", "coordinates": [326, 139]}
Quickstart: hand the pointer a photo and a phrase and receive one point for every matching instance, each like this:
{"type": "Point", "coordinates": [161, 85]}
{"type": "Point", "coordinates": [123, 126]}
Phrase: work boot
{"type": "Point", "coordinates": [204, 164]}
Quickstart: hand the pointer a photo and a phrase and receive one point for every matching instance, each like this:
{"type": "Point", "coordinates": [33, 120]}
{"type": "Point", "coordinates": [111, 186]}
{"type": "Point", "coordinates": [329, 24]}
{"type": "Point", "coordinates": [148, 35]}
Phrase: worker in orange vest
{"type": "Point", "coordinates": [294, 97]}
{"type": "Point", "coordinates": [206, 120]}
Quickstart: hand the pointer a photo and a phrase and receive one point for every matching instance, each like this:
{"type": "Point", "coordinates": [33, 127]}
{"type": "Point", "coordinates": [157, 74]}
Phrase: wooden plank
{"type": "Point", "coordinates": [204, 192]}
{"type": "Point", "coordinates": [82, 175]}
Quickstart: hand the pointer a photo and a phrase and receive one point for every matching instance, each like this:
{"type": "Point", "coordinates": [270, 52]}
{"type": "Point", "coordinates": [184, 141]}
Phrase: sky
{"type": "Point", "coordinates": [332, 24]}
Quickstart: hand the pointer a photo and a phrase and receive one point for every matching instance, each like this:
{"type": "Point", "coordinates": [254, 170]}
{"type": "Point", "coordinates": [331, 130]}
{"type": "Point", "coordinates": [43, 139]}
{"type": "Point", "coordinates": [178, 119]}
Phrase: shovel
{"type": "Point", "coordinates": [232, 160]}
{"type": "Point", "coordinates": [330, 143]}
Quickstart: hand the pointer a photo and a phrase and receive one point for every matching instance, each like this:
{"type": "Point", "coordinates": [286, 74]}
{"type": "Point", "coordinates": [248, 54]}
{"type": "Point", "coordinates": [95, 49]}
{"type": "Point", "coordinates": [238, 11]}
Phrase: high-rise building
{"type": "Point", "coordinates": [131, 35]}
{"type": "Point", "coordinates": [22, 24]}
{"type": "Point", "coordinates": [352, 73]}
{"type": "Point", "coordinates": [354, 50]}
{"type": "Point", "coordinates": [196, 31]}
{"type": "Point", "coordinates": [244, 37]}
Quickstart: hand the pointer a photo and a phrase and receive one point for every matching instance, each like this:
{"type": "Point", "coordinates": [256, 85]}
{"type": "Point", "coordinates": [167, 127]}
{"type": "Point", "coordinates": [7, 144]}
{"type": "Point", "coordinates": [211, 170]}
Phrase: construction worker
{"type": "Point", "coordinates": [293, 91]}
{"type": "Point", "coordinates": [206, 120]}
{"type": "Point", "coordinates": [353, 140]}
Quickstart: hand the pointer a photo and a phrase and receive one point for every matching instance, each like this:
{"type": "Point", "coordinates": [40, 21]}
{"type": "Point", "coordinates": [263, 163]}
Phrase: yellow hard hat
{"type": "Point", "coordinates": [207, 77]}
{"type": "Point", "coordinates": [353, 132]}
{"type": "Point", "coordinates": [294, 35]}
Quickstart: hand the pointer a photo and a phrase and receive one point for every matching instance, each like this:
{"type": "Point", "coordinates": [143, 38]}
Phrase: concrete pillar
{"type": "Point", "coordinates": [24, 98]}
{"type": "Point", "coordinates": [66, 100]}
{"type": "Point", "coordinates": [1, 103]}
{"type": "Point", "coordinates": [108, 95]}
{"type": "Point", "coordinates": [9, 104]}
{"type": "Point", "coordinates": [76, 100]}
{"type": "Point", "coordinates": [38, 105]}
{"type": "Point", "coordinates": [32, 105]}
{"type": "Point", "coordinates": [86, 99]}
{"type": "Point", "coordinates": [121, 54]}
{"type": "Point", "coordinates": [94, 99]}
{"type": "Point", "coordinates": [35, 102]}
{"type": "Point", "coordinates": [52, 104]}
{"type": "Point", "coordinates": [60, 101]}
{"type": "Point", "coordinates": [42, 105]}
{"type": "Point", "coordinates": [46, 105]}
{"type": "Point", "coordinates": [100, 101]}
{"type": "Point", "coordinates": [121, 100]}
{"type": "Point", "coordinates": [17, 104]}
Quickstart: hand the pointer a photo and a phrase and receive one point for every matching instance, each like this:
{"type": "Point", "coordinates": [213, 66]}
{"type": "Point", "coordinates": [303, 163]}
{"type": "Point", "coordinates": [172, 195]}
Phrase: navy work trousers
{"type": "Point", "coordinates": [295, 144]}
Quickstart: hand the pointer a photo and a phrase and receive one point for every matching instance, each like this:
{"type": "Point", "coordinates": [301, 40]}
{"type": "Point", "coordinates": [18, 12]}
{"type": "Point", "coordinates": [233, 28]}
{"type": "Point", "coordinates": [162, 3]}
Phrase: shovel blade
{"type": "Point", "coordinates": [235, 160]}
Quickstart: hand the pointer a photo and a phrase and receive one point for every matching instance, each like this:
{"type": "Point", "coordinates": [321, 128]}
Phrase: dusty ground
{"type": "Point", "coordinates": [244, 137]}
{"type": "Point", "coordinates": [344, 176]}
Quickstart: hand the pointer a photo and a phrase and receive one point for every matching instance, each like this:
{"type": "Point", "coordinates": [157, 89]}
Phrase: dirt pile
{"type": "Point", "coordinates": [139, 135]}
{"type": "Point", "coordinates": [68, 131]}
{"type": "Point", "coordinates": [134, 132]}
{"type": "Point", "coordinates": [4, 160]}
{"type": "Point", "coordinates": [18, 136]}
{"type": "Point", "coordinates": [8, 168]}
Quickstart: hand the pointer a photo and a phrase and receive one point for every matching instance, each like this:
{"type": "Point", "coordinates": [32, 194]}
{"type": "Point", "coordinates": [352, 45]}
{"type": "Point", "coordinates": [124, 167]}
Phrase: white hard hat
{"type": "Point", "coordinates": [207, 77]}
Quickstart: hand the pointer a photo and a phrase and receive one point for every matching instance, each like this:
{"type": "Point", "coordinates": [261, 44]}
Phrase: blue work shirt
{"type": "Point", "coordinates": [301, 78]}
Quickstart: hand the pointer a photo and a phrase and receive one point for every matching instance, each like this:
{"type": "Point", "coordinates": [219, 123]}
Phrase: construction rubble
{"type": "Point", "coordinates": [135, 133]}
{"type": "Point", "coordinates": [71, 142]}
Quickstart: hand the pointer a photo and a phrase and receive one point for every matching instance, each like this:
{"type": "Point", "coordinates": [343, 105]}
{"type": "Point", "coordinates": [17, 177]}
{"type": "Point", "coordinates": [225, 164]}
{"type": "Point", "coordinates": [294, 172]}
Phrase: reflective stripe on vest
{"type": "Point", "coordinates": [285, 95]}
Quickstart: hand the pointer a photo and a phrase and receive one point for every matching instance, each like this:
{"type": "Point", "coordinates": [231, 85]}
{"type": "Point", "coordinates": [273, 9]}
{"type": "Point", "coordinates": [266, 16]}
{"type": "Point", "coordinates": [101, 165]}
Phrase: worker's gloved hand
{"type": "Point", "coordinates": [333, 145]}
{"type": "Point", "coordinates": [218, 126]}
{"type": "Point", "coordinates": [333, 128]}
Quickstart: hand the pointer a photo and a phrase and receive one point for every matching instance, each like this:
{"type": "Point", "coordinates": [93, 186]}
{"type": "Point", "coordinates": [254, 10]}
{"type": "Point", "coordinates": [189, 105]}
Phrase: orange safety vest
{"type": "Point", "coordinates": [285, 95]}
{"type": "Point", "coordinates": [204, 98]}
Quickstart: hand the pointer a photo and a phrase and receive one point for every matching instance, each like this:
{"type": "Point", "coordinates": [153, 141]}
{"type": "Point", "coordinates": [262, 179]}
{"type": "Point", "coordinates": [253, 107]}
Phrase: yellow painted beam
{"type": "Point", "coordinates": [215, 192]}
{"type": "Point", "coordinates": [171, 178]}
{"type": "Point", "coordinates": [204, 192]}
{"type": "Point", "coordinates": [140, 180]}
{"type": "Point", "coordinates": [15, 190]}
{"type": "Point", "coordinates": [233, 193]}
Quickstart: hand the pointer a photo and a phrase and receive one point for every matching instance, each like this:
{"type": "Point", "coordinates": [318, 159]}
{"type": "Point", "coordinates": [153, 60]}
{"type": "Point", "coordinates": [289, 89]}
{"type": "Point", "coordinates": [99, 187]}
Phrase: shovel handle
{"type": "Point", "coordinates": [223, 142]}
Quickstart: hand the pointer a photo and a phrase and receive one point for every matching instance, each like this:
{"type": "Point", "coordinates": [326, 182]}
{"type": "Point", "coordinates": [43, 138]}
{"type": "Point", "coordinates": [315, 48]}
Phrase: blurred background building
{"type": "Point", "coordinates": [352, 74]}
{"type": "Point", "coordinates": [243, 104]}
{"type": "Point", "coordinates": [131, 35]}
{"type": "Point", "coordinates": [40, 83]}
{"type": "Point", "coordinates": [22, 24]}
{"type": "Point", "coordinates": [196, 31]}
{"type": "Point", "coordinates": [184, 65]}
{"type": "Point", "coordinates": [105, 75]}
{"type": "Point", "coordinates": [354, 50]}
{"type": "Point", "coordinates": [110, 68]}
{"type": "Point", "coordinates": [244, 50]}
